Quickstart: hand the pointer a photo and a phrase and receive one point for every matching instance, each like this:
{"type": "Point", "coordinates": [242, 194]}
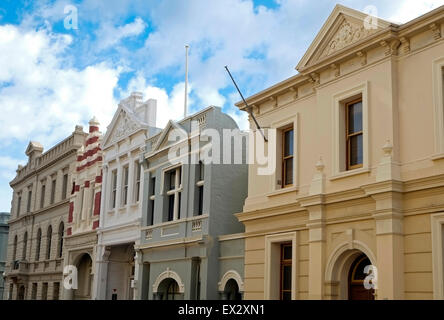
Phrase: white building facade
{"type": "Point", "coordinates": [121, 202]}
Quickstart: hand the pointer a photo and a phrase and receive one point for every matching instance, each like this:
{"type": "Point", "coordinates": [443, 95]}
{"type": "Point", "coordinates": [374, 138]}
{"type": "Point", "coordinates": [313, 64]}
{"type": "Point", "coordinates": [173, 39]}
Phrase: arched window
{"type": "Point", "coordinates": [48, 241]}
{"type": "Point", "coordinates": [39, 244]}
{"type": "Point", "coordinates": [25, 245]}
{"type": "Point", "coordinates": [60, 242]}
{"type": "Point", "coordinates": [14, 252]}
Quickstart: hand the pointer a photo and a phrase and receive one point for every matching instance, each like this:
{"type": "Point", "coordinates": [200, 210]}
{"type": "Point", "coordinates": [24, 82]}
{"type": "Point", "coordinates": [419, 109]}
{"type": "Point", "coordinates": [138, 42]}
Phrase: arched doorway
{"type": "Point", "coordinates": [356, 276]}
{"type": "Point", "coordinates": [345, 263]}
{"type": "Point", "coordinates": [231, 290]}
{"type": "Point", "coordinates": [84, 282]}
{"type": "Point", "coordinates": [169, 290]}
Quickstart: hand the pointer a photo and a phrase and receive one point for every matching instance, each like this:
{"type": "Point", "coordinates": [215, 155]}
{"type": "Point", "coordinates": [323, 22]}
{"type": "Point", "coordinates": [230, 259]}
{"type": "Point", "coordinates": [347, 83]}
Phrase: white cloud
{"type": "Point", "coordinates": [411, 9]}
{"type": "Point", "coordinates": [41, 96]}
{"type": "Point", "coordinates": [109, 35]}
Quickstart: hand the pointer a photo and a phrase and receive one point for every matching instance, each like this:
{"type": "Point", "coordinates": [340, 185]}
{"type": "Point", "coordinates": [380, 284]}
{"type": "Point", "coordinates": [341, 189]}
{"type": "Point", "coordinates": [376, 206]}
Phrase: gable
{"type": "Point", "coordinates": [121, 127]}
{"type": "Point", "coordinates": [343, 28]}
{"type": "Point", "coordinates": [163, 140]}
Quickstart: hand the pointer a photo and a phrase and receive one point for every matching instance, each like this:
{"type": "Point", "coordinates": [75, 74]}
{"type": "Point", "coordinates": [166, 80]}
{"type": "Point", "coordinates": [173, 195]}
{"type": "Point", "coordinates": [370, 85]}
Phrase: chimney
{"type": "Point", "coordinates": [147, 112]}
{"type": "Point", "coordinates": [93, 125]}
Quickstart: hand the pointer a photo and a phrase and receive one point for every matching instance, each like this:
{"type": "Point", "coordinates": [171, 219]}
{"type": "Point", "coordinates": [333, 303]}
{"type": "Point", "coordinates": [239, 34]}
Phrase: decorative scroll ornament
{"type": "Point", "coordinates": [124, 126]}
{"type": "Point", "coordinates": [347, 34]}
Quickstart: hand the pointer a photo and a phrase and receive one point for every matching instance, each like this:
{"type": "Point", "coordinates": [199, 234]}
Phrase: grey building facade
{"type": "Point", "coordinates": [4, 231]}
{"type": "Point", "coordinates": [189, 202]}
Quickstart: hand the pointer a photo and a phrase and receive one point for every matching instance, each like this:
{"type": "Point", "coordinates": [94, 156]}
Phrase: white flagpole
{"type": "Point", "coordinates": [186, 81]}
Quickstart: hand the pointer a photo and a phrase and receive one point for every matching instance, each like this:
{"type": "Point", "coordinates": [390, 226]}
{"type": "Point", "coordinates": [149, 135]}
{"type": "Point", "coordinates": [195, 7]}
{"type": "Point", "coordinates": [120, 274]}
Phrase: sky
{"type": "Point", "coordinates": [63, 62]}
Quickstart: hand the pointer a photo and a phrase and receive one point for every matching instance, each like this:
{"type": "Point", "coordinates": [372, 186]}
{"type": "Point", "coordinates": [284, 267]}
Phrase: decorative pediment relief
{"type": "Point", "coordinates": [347, 34]}
{"type": "Point", "coordinates": [124, 126]}
{"type": "Point", "coordinates": [343, 28]}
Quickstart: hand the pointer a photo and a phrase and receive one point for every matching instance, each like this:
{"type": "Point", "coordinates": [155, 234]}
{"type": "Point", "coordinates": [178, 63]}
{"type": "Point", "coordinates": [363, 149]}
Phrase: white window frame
{"type": "Point", "coordinates": [125, 187]}
{"type": "Point", "coordinates": [438, 101]}
{"type": "Point", "coordinates": [437, 222]}
{"type": "Point", "coordinates": [338, 131]}
{"type": "Point", "coordinates": [113, 198]}
{"type": "Point", "coordinates": [137, 180]}
{"type": "Point", "coordinates": [273, 261]}
{"type": "Point", "coordinates": [178, 187]}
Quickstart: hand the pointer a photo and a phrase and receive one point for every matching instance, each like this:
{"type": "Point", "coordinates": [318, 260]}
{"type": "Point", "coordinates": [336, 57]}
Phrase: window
{"type": "Point", "coordinates": [354, 134]}
{"type": "Point", "coordinates": [125, 186]}
{"type": "Point", "coordinates": [82, 200]}
{"type": "Point", "coordinates": [25, 245]}
{"type": "Point", "coordinates": [173, 179]}
{"type": "Point", "coordinates": [19, 203]}
{"type": "Point", "coordinates": [45, 291]}
{"type": "Point", "coordinates": [350, 138]}
{"type": "Point", "coordinates": [60, 244]}
{"type": "Point", "coordinates": [438, 101]}
{"type": "Point", "coordinates": [113, 188]}
{"type": "Point", "coordinates": [28, 206]}
{"type": "Point", "coordinates": [151, 197]}
{"type": "Point", "coordinates": [280, 272]}
{"type": "Point", "coordinates": [48, 243]}
{"type": "Point", "coordinates": [53, 190]}
{"type": "Point", "coordinates": [42, 196]}
{"type": "Point", "coordinates": [91, 201]}
{"type": "Point", "coordinates": [11, 290]}
{"type": "Point", "coordinates": [56, 291]}
{"type": "Point", "coordinates": [171, 208]}
{"type": "Point", "coordinates": [14, 252]}
{"type": "Point", "coordinates": [65, 186]}
{"type": "Point", "coordinates": [200, 188]}
{"type": "Point", "coordinates": [34, 291]}
{"type": "Point", "coordinates": [39, 244]}
{"type": "Point", "coordinates": [287, 157]}
{"type": "Point", "coordinates": [137, 184]}
{"type": "Point", "coordinates": [285, 291]}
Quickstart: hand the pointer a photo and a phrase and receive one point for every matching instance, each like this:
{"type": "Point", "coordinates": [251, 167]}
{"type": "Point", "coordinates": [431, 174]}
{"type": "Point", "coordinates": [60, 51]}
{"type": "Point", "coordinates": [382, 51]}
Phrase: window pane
{"type": "Point", "coordinates": [288, 171]}
{"type": "Point", "coordinates": [355, 117]}
{"type": "Point", "coordinates": [286, 277]}
{"type": "Point", "coordinates": [288, 148]}
{"type": "Point", "coordinates": [356, 150]}
{"type": "Point", "coordinates": [172, 179]}
{"type": "Point", "coordinates": [287, 252]}
{"type": "Point", "coordinates": [200, 209]}
{"type": "Point", "coordinates": [178, 206]}
{"type": "Point", "coordinates": [170, 208]}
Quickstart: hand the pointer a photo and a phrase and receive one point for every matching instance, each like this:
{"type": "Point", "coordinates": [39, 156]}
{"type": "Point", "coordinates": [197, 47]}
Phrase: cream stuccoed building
{"type": "Point", "coordinates": [121, 203]}
{"type": "Point", "coordinates": [38, 220]}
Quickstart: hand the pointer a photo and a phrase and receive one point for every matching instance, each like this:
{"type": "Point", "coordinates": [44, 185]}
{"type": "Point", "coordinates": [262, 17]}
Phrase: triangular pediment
{"type": "Point", "coordinates": [343, 28]}
{"type": "Point", "coordinates": [123, 125]}
{"type": "Point", "coordinates": [163, 141]}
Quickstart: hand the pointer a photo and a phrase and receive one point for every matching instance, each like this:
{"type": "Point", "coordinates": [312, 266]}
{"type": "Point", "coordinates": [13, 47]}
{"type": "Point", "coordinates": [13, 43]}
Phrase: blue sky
{"type": "Point", "coordinates": [52, 78]}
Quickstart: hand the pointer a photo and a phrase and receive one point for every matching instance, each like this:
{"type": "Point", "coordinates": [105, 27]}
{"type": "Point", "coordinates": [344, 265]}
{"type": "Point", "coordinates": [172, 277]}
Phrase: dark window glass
{"type": "Point", "coordinates": [355, 117]}
{"type": "Point", "coordinates": [286, 267]}
{"type": "Point", "coordinates": [287, 157]}
{"type": "Point", "coordinates": [356, 150]}
{"type": "Point", "coordinates": [65, 186]}
{"type": "Point", "coordinates": [354, 134]}
{"type": "Point", "coordinates": [288, 150]}
{"type": "Point", "coordinates": [42, 196]}
{"type": "Point", "coordinates": [170, 208]}
{"type": "Point", "coordinates": [200, 206]}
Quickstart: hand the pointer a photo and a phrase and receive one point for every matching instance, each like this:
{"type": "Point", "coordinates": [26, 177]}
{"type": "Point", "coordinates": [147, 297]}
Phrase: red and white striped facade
{"type": "Point", "coordinates": [84, 206]}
